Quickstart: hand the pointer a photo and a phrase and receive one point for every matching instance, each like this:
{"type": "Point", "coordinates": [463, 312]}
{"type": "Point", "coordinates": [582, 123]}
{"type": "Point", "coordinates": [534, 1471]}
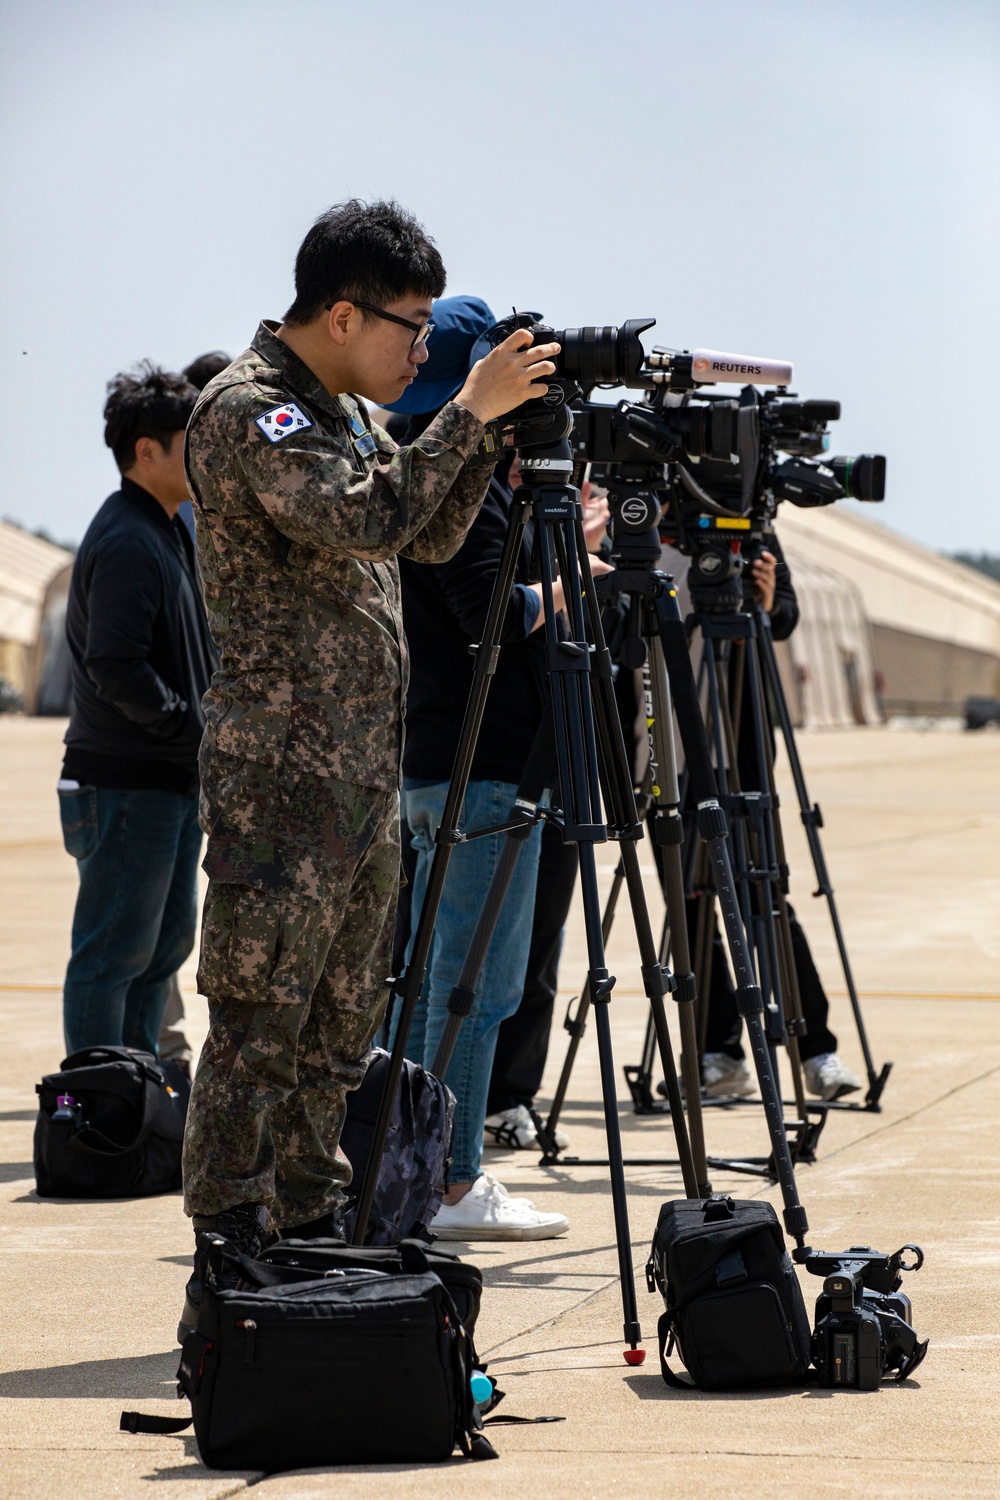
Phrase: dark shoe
{"type": "Point", "coordinates": [246, 1227]}
{"type": "Point", "coordinates": [327, 1227]}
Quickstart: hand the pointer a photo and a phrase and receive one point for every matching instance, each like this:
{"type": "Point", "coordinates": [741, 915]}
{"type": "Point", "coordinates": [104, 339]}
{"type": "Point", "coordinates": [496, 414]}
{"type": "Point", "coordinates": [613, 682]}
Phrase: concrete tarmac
{"type": "Point", "coordinates": [91, 1291]}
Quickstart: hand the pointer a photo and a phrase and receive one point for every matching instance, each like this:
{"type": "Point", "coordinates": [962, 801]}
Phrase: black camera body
{"type": "Point", "coordinates": [721, 515]}
{"type": "Point", "coordinates": [588, 357]}
{"type": "Point", "coordinates": [864, 1323]}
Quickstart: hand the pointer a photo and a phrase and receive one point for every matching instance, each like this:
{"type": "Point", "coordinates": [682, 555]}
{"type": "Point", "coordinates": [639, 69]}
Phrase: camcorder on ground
{"type": "Point", "coordinates": [863, 1329]}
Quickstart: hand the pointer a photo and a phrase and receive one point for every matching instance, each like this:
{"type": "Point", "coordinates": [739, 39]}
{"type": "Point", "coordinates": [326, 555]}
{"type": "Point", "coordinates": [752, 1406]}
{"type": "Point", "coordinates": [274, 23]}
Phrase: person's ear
{"type": "Point", "coordinates": [144, 454]}
{"type": "Point", "coordinates": [338, 321]}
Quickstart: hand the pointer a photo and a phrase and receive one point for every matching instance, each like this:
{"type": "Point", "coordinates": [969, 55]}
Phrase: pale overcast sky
{"type": "Point", "coordinates": [816, 181]}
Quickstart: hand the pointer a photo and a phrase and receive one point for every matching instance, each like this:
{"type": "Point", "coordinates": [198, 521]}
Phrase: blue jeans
{"type": "Point", "coordinates": [136, 911]}
{"type": "Point", "coordinates": [501, 979]}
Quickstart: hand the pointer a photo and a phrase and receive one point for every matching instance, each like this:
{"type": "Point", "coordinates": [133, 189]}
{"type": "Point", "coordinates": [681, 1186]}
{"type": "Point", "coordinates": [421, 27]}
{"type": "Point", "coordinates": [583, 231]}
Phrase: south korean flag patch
{"type": "Point", "coordinates": [281, 421]}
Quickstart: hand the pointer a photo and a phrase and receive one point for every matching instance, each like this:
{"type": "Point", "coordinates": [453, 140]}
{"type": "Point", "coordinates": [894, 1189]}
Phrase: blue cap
{"type": "Point", "coordinates": [459, 323]}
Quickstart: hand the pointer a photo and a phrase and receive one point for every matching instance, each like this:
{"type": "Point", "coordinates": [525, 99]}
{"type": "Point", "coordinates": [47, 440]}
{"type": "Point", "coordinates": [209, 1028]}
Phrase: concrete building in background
{"type": "Point", "coordinates": [888, 627]}
{"type": "Point", "coordinates": [34, 582]}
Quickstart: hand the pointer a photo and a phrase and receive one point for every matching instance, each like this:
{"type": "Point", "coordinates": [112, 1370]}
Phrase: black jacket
{"type": "Point", "coordinates": [785, 612]}
{"type": "Point", "coordinates": [142, 654]}
{"type": "Point", "coordinates": [444, 612]}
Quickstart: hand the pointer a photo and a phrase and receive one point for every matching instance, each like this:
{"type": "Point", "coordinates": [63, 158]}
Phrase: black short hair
{"type": "Point", "coordinates": [205, 368]}
{"type": "Point", "coordinates": [151, 403]}
{"type": "Point", "coordinates": [363, 252]}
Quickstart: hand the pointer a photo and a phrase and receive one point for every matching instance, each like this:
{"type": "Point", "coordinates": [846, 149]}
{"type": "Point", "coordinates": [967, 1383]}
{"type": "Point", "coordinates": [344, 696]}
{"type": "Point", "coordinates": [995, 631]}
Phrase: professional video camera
{"type": "Point", "coordinates": [722, 514]}
{"type": "Point", "coordinates": [863, 1321]}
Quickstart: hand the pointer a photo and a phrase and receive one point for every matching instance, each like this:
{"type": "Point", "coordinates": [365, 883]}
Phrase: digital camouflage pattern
{"type": "Point", "coordinates": [296, 989]}
{"type": "Point", "coordinates": [297, 541]}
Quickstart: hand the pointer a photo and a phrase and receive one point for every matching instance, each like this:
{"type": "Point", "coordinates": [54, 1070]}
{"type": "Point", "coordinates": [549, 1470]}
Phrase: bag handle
{"type": "Point", "coordinates": [135, 1421]}
{"type": "Point", "coordinates": [663, 1333]}
{"type": "Point", "coordinates": [91, 1057]}
{"type": "Point", "coordinates": [103, 1145]}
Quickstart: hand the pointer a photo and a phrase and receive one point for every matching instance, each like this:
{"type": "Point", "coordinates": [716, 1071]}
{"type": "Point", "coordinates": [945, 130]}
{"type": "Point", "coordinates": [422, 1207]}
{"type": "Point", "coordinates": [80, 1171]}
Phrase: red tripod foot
{"type": "Point", "coordinates": [634, 1356]}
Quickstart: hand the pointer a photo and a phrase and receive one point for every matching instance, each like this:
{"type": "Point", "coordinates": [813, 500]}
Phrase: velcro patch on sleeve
{"type": "Point", "coordinates": [281, 421]}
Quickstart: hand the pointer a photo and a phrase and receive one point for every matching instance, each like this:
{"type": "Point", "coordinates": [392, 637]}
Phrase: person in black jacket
{"type": "Point", "coordinates": [142, 658]}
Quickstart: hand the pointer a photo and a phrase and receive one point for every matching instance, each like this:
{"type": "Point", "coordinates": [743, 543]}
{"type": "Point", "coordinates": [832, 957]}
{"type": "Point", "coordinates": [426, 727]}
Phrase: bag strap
{"type": "Point", "coordinates": [511, 1421]}
{"type": "Point", "coordinates": [135, 1421]}
{"type": "Point", "coordinates": [101, 1145]}
{"type": "Point", "coordinates": [663, 1334]}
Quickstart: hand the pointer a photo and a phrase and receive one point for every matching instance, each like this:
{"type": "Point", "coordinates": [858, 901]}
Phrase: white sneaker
{"type": "Point", "coordinates": [828, 1078]}
{"type": "Point", "coordinates": [487, 1212]}
{"type": "Point", "coordinates": [515, 1129]}
{"type": "Point", "coordinates": [725, 1077]}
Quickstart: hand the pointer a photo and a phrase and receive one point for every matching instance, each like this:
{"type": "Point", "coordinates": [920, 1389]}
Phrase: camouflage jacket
{"type": "Point", "coordinates": [301, 506]}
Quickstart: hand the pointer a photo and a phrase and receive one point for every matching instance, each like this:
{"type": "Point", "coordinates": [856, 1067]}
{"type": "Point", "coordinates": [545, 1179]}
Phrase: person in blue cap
{"type": "Point", "coordinates": [444, 611]}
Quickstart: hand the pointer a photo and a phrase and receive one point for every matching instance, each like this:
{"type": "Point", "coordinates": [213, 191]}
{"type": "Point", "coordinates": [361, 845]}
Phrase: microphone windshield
{"type": "Point", "coordinates": [709, 366]}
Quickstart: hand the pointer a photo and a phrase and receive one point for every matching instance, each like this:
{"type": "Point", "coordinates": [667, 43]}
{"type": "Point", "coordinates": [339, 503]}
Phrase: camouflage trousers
{"type": "Point", "coordinates": [294, 958]}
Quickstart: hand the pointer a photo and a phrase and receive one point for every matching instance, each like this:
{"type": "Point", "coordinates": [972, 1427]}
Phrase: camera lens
{"type": "Point", "coordinates": [861, 477]}
{"type": "Point", "coordinates": [590, 355]}
{"type": "Point", "coordinates": [605, 355]}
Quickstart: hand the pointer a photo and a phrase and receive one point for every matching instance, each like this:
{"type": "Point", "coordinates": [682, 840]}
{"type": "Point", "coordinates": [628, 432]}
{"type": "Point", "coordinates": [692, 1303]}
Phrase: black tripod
{"type": "Point", "coordinates": [812, 820]}
{"type": "Point", "coordinates": [655, 608]}
{"type": "Point", "coordinates": [653, 613]}
{"type": "Point", "coordinates": [590, 754]}
{"type": "Point", "coordinates": [740, 669]}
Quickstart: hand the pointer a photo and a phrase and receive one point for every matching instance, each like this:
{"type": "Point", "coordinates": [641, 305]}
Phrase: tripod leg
{"type": "Point", "coordinates": [812, 819]}
{"type": "Point", "coordinates": [654, 982]}
{"type": "Point", "coordinates": [556, 510]}
{"type": "Point", "coordinates": [600, 984]}
{"type": "Point", "coordinates": [578, 1025]}
{"type": "Point", "coordinates": [795, 1024]}
{"type": "Point", "coordinates": [669, 835]}
{"type": "Point", "coordinates": [713, 827]}
{"type": "Point", "coordinates": [624, 817]}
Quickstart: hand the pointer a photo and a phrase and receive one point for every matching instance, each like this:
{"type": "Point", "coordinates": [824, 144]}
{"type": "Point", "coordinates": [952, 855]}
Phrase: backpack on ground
{"type": "Point", "coordinates": [734, 1305]}
{"type": "Point", "coordinates": [414, 1169]}
{"type": "Point", "coordinates": [109, 1126]}
{"type": "Point", "coordinates": [361, 1364]}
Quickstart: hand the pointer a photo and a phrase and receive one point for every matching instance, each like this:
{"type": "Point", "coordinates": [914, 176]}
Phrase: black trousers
{"type": "Point", "coordinates": [725, 1025]}
{"type": "Point", "coordinates": [523, 1043]}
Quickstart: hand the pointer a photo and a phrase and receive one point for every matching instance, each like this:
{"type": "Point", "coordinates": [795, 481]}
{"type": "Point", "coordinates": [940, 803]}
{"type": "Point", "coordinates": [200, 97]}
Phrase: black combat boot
{"type": "Point", "coordinates": [247, 1227]}
{"type": "Point", "coordinates": [329, 1226]}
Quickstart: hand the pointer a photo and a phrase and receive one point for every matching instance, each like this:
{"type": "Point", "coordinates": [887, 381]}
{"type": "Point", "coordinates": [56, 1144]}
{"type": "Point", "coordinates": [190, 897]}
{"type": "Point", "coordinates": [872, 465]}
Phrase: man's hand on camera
{"type": "Point", "coordinates": [764, 572]}
{"type": "Point", "coordinates": [503, 380]}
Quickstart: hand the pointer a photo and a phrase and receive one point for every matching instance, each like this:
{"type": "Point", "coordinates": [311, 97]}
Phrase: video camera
{"type": "Point", "coordinates": [721, 515]}
{"type": "Point", "coordinates": [863, 1321]}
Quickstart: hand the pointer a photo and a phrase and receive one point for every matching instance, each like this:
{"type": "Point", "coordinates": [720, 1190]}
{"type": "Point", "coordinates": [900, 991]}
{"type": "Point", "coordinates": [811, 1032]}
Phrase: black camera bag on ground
{"type": "Point", "coordinates": [414, 1169]}
{"type": "Point", "coordinates": [357, 1366]}
{"type": "Point", "coordinates": [123, 1134]}
{"type": "Point", "coordinates": [734, 1305]}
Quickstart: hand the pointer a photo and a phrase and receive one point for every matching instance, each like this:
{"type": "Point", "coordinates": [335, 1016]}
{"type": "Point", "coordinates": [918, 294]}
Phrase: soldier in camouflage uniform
{"type": "Point", "coordinates": [301, 507]}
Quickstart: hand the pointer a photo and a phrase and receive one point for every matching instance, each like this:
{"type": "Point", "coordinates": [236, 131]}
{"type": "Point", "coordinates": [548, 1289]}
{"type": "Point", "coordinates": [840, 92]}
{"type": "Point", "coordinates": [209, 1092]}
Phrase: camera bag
{"type": "Point", "coordinates": [414, 1168]}
{"type": "Point", "coordinates": [120, 1134]}
{"type": "Point", "coordinates": [734, 1307]}
{"type": "Point", "coordinates": [358, 1365]}
{"type": "Point", "coordinates": [305, 1260]}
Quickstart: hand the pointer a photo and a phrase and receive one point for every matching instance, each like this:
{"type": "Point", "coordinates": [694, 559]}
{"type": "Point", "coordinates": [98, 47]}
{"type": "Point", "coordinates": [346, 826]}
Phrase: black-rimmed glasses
{"type": "Point", "coordinates": [421, 331]}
